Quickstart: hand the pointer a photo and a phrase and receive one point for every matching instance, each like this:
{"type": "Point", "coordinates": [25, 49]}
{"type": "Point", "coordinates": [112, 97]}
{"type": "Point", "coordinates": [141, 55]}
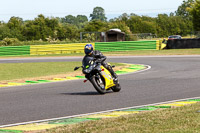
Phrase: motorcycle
{"type": "Point", "coordinates": [99, 76]}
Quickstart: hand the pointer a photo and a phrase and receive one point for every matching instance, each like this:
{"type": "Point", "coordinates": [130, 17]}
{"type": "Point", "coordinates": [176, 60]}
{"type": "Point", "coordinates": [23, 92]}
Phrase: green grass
{"type": "Point", "coordinates": [159, 52]}
{"type": "Point", "coordinates": [177, 120]}
{"type": "Point", "coordinates": [10, 71]}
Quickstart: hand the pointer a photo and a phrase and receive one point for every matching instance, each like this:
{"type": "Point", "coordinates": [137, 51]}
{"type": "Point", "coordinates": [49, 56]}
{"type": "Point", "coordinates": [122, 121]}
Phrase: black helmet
{"type": "Point", "coordinates": [88, 49]}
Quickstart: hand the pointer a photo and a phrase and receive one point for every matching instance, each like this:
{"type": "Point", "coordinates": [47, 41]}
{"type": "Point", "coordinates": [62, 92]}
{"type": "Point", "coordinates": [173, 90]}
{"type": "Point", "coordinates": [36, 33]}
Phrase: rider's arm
{"type": "Point", "coordinates": [98, 55]}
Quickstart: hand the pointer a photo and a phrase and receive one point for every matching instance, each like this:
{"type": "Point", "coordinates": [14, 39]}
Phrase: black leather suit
{"type": "Point", "coordinates": [101, 58]}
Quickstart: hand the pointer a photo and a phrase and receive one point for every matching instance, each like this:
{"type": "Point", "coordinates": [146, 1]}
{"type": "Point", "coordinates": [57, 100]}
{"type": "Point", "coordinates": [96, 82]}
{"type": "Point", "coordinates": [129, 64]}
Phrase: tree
{"type": "Point", "coordinates": [183, 9]}
{"type": "Point", "coordinates": [41, 28]}
{"type": "Point", "coordinates": [31, 31]}
{"type": "Point", "coordinates": [172, 25]}
{"type": "Point", "coordinates": [79, 21]}
{"type": "Point", "coordinates": [195, 12]}
{"type": "Point", "coordinates": [162, 25]}
{"type": "Point", "coordinates": [4, 31]}
{"type": "Point", "coordinates": [96, 25]}
{"type": "Point", "coordinates": [124, 17]}
{"type": "Point", "coordinates": [82, 18]}
{"type": "Point", "coordinates": [98, 14]}
{"type": "Point", "coordinates": [69, 19]}
{"type": "Point", "coordinates": [68, 31]}
{"type": "Point", "coordinates": [15, 25]}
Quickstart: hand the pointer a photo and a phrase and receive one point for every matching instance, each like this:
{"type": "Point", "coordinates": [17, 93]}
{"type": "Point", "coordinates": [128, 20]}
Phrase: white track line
{"type": "Point", "coordinates": [73, 116]}
{"type": "Point", "coordinates": [148, 67]}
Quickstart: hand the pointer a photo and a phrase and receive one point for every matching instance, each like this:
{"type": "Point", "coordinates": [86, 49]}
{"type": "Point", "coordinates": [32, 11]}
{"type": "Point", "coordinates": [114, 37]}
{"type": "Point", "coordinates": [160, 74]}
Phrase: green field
{"type": "Point", "coordinates": [159, 52]}
{"type": "Point", "coordinates": [12, 71]}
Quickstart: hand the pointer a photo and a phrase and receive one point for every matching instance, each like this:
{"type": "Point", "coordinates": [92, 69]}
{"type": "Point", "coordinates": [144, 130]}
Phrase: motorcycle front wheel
{"type": "Point", "coordinates": [98, 84]}
{"type": "Point", "coordinates": [116, 88]}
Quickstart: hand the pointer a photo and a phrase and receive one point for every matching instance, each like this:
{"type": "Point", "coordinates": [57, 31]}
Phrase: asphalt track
{"type": "Point", "coordinates": [170, 78]}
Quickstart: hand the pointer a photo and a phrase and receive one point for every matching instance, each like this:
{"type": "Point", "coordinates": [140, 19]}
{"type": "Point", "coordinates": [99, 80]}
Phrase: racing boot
{"type": "Point", "coordinates": [114, 75]}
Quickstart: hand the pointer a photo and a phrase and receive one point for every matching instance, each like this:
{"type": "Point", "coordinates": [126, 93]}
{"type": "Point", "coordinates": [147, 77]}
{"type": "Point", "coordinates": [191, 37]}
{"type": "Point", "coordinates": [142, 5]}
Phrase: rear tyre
{"type": "Point", "coordinates": [116, 88]}
{"type": "Point", "coordinates": [98, 84]}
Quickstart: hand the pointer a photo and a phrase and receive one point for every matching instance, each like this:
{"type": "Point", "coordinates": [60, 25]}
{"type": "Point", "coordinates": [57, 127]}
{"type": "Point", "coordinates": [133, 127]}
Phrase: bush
{"type": "Point", "coordinates": [9, 41]}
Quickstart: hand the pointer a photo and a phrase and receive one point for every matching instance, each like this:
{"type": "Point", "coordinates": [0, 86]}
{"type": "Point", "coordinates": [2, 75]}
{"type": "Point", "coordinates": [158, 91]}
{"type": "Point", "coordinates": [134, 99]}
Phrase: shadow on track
{"type": "Point", "coordinates": [82, 93]}
{"type": "Point", "coordinates": [90, 93]}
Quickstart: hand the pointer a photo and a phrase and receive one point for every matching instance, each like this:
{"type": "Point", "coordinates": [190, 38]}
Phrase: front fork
{"type": "Point", "coordinates": [89, 77]}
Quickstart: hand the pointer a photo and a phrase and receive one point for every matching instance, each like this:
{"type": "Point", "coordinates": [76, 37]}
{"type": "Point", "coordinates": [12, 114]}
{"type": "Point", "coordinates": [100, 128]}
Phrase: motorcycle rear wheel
{"type": "Point", "coordinates": [98, 85]}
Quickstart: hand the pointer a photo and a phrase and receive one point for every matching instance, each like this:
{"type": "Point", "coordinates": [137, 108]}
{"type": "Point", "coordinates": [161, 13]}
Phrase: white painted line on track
{"type": "Point", "coordinates": [81, 115]}
{"type": "Point", "coordinates": [148, 67]}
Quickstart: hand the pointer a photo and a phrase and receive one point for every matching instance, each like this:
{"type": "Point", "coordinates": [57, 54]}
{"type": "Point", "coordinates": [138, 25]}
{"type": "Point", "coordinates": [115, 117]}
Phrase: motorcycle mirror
{"type": "Point", "coordinates": [76, 68]}
{"type": "Point", "coordinates": [113, 66]}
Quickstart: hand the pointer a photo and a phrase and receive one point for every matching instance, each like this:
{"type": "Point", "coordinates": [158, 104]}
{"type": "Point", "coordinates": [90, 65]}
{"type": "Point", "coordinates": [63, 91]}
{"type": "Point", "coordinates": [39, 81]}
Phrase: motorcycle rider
{"type": "Point", "coordinates": [99, 57]}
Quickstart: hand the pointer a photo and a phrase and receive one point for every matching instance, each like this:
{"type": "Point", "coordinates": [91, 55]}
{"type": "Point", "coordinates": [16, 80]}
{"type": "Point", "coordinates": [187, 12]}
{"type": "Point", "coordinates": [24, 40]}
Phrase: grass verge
{"type": "Point", "coordinates": [176, 120]}
{"type": "Point", "coordinates": [158, 52]}
{"type": "Point", "coordinates": [13, 71]}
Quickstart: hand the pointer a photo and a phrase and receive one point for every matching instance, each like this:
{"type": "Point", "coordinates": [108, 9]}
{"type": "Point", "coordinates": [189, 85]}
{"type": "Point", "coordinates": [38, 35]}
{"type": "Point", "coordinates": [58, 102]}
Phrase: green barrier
{"type": "Point", "coordinates": [125, 46]}
{"type": "Point", "coordinates": [14, 50]}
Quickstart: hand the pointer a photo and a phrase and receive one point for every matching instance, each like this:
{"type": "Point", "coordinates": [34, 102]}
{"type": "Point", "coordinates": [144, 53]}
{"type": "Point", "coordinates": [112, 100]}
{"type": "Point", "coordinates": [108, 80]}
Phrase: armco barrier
{"type": "Point", "coordinates": [125, 46]}
{"type": "Point", "coordinates": [14, 50]}
{"type": "Point", "coordinates": [57, 49]}
{"type": "Point", "coordinates": [78, 48]}
{"type": "Point", "coordinates": [183, 43]}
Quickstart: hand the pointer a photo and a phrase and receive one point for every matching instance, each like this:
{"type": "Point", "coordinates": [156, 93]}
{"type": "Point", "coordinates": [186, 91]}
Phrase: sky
{"type": "Point", "coordinates": [30, 9]}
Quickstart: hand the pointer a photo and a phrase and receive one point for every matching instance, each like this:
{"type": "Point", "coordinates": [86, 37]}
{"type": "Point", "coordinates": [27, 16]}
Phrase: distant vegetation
{"type": "Point", "coordinates": [44, 30]}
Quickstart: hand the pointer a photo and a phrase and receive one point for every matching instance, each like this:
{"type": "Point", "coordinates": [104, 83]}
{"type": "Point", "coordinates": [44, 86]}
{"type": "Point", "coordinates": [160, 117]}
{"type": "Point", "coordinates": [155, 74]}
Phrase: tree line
{"type": "Point", "coordinates": [67, 29]}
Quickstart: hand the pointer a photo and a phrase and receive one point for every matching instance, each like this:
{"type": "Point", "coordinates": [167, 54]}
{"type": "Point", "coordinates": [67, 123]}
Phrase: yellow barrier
{"type": "Point", "coordinates": [58, 49]}
{"type": "Point", "coordinates": [157, 45]}
{"type": "Point", "coordinates": [160, 45]}
{"type": "Point", "coordinates": [163, 45]}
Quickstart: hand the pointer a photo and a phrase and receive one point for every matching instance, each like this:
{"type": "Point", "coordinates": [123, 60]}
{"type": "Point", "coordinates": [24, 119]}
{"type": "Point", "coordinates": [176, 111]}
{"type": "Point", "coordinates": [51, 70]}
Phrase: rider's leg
{"type": "Point", "coordinates": [109, 69]}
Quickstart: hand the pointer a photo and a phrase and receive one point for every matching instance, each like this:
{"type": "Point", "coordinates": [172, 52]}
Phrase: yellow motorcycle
{"type": "Point", "coordinates": [99, 76]}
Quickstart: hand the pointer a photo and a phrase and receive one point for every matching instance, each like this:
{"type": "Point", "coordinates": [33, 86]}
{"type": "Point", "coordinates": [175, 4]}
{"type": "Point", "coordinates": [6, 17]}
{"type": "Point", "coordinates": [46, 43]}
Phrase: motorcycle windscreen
{"type": "Point", "coordinates": [108, 78]}
{"type": "Point", "coordinates": [87, 61]}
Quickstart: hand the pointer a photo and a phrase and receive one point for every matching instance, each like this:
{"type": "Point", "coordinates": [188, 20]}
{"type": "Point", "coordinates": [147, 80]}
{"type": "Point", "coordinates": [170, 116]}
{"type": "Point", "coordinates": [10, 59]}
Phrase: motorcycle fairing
{"type": "Point", "coordinates": [108, 78]}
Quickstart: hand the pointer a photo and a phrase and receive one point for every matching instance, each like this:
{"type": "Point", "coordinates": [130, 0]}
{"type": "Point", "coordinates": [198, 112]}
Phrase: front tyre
{"type": "Point", "coordinates": [98, 84]}
{"type": "Point", "coordinates": [116, 88]}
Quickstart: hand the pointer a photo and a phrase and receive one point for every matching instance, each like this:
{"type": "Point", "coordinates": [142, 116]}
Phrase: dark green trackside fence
{"type": "Point", "coordinates": [14, 50]}
{"type": "Point", "coordinates": [125, 46]}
